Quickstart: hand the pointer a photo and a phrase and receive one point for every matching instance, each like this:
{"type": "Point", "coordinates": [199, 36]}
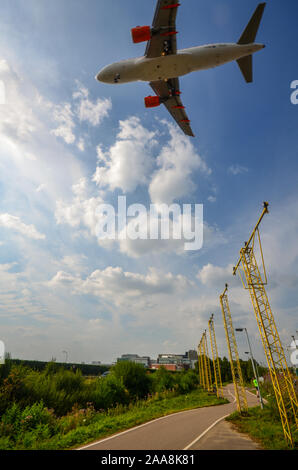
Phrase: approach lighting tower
{"type": "Point", "coordinates": [202, 365]}
{"type": "Point", "coordinates": [215, 358]}
{"type": "Point", "coordinates": [255, 282]}
{"type": "Point", "coordinates": [240, 393]}
{"type": "Point", "coordinates": [208, 368]}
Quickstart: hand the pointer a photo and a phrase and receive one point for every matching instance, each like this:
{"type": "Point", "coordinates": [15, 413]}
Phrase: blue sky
{"type": "Point", "coordinates": [68, 143]}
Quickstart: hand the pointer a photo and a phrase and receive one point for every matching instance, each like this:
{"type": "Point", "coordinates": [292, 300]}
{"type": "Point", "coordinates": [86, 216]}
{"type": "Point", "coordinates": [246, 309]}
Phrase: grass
{"type": "Point", "coordinates": [263, 428]}
{"type": "Point", "coordinates": [104, 424]}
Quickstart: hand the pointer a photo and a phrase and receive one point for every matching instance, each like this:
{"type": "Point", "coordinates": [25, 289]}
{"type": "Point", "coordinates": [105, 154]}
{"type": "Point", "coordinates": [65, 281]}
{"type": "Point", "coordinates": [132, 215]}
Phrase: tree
{"type": "Point", "coordinates": [134, 378]}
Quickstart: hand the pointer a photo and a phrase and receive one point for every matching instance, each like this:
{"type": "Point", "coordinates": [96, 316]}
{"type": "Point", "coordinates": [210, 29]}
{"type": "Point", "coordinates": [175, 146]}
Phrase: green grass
{"type": "Point", "coordinates": [263, 428]}
{"type": "Point", "coordinates": [100, 425]}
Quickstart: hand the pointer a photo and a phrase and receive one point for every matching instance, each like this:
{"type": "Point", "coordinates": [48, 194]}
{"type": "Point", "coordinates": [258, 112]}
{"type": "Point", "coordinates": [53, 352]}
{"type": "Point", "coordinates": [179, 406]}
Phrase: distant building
{"type": "Point", "coordinates": [145, 360]}
{"type": "Point", "coordinates": [170, 359]}
{"type": "Point", "coordinates": [96, 363]}
{"type": "Point", "coordinates": [190, 358]}
{"type": "Point", "coordinates": [182, 361]}
{"type": "Point", "coordinates": [192, 355]}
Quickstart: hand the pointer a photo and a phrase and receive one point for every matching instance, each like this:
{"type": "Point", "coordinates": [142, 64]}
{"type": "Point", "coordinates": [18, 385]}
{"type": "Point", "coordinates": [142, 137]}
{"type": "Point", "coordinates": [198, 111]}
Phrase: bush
{"type": "Point", "coordinates": [13, 388]}
{"type": "Point", "coordinates": [36, 421]}
{"type": "Point", "coordinates": [187, 381]}
{"type": "Point", "coordinates": [163, 380]}
{"type": "Point", "coordinates": [108, 392]}
{"type": "Point", "coordinates": [134, 378]}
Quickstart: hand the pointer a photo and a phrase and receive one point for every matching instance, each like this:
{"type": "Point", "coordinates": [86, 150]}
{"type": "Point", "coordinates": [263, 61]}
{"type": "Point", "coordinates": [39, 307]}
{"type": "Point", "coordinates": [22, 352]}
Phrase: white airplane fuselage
{"type": "Point", "coordinates": [175, 65]}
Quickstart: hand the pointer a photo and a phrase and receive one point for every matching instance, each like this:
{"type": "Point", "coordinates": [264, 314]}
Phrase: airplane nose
{"type": "Point", "coordinates": [99, 76]}
{"type": "Point", "coordinates": [104, 75]}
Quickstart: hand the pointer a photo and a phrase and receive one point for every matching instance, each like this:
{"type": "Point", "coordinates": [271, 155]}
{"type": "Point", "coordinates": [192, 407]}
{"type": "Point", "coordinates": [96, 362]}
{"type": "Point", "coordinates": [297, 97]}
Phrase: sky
{"type": "Point", "coordinates": [69, 144]}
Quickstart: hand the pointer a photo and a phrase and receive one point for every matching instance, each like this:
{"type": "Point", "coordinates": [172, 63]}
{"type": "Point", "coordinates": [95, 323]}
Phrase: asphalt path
{"type": "Point", "coordinates": [178, 431]}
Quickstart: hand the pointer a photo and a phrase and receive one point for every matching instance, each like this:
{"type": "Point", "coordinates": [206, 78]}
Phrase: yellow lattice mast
{"type": "Point", "coordinates": [240, 393]}
{"type": "Point", "coordinates": [280, 375]}
{"type": "Point", "coordinates": [210, 388]}
{"type": "Point", "coordinates": [216, 365]}
{"type": "Point", "coordinates": [205, 367]}
{"type": "Point", "coordinates": [202, 363]}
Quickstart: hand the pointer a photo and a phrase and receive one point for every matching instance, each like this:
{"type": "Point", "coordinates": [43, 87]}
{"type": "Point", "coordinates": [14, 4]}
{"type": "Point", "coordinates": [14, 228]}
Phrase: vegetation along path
{"type": "Point", "coordinates": [186, 430]}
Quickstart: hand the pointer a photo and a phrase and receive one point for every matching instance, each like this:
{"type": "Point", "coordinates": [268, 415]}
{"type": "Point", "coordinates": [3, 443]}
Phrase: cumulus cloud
{"type": "Point", "coordinates": [177, 161]}
{"type": "Point", "coordinates": [63, 115]}
{"type": "Point", "coordinates": [14, 223]}
{"type": "Point", "coordinates": [81, 211]}
{"type": "Point", "coordinates": [211, 275]}
{"type": "Point", "coordinates": [104, 283]}
{"type": "Point", "coordinates": [29, 151]}
{"type": "Point", "coordinates": [82, 109]}
{"type": "Point", "coordinates": [89, 111]}
{"type": "Point", "coordinates": [128, 163]}
{"type": "Point", "coordinates": [17, 118]}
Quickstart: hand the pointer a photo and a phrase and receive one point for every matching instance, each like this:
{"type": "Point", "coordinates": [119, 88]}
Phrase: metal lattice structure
{"type": "Point", "coordinates": [206, 372]}
{"type": "Point", "coordinates": [215, 358]}
{"type": "Point", "coordinates": [240, 393]}
{"type": "Point", "coordinates": [255, 282]}
{"type": "Point", "coordinates": [208, 368]}
{"type": "Point", "coordinates": [200, 365]}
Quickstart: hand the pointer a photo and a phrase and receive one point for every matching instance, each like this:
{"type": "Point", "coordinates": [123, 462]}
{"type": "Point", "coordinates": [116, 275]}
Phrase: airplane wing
{"type": "Point", "coordinates": [169, 93]}
{"type": "Point", "coordinates": [163, 41]}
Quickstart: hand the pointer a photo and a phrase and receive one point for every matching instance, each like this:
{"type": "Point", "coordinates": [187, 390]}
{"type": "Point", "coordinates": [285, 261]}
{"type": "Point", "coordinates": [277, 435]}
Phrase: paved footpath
{"type": "Point", "coordinates": [202, 428]}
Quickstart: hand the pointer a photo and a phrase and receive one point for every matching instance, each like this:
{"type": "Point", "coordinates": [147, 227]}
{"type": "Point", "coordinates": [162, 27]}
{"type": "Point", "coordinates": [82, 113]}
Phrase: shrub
{"type": "Point", "coordinates": [13, 388]}
{"type": "Point", "coordinates": [35, 420]}
{"type": "Point", "coordinates": [187, 381]}
{"type": "Point", "coordinates": [163, 380]}
{"type": "Point", "coordinates": [108, 392]}
{"type": "Point", "coordinates": [134, 378]}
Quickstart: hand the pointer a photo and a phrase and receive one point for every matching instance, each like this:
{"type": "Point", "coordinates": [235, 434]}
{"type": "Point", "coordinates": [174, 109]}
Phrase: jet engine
{"type": "Point", "coordinates": [152, 101]}
{"type": "Point", "coordinates": [141, 34]}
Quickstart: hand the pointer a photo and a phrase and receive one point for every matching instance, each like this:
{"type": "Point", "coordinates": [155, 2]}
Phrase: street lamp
{"type": "Point", "coordinates": [254, 366]}
{"type": "Point", "coordinates": [66, 356]}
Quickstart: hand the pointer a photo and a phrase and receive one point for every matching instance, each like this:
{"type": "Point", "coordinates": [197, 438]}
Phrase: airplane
{"type": "Point", "coordinates": [162, 63]}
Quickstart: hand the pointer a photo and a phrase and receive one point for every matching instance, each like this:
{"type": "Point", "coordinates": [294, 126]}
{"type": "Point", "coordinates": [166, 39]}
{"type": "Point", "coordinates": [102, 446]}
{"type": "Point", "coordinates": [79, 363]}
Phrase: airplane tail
{"type": "Point", "coordinates": [248, 37]}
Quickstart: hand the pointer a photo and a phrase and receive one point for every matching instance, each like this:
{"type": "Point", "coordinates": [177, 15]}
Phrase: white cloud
{"type": "Point", "coordinates": [128, 163]}
{"type": "Point", "coordinates": [14, 223]}
{"type": "Point", "coordinates": [177, 161]}
{"type": "Point", "coordinates": [211, 275]}
{"type": "Point", "coordinates": [63, 115]}
{"type": "Point", "coordinates": [83, 109]}
{"type": "Point", "coordinates": [92, 112]}
{"type": "Point", "coordinates": [75, 263]}
{"type": "Point", "coordinates": [17, 118]}
{"type": "Point", "coordinates": [104, 283]}
{"type": "Point", "coordinates": [40, 188]}
{"type": "Point", "coordinates": [81, 144]}
{"type": "Point", "coordinates": [28, 150]}
{"type": "Point", "coordinates": [81, 211]}
{"type": "Point", "coordinates": [237, 170]}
